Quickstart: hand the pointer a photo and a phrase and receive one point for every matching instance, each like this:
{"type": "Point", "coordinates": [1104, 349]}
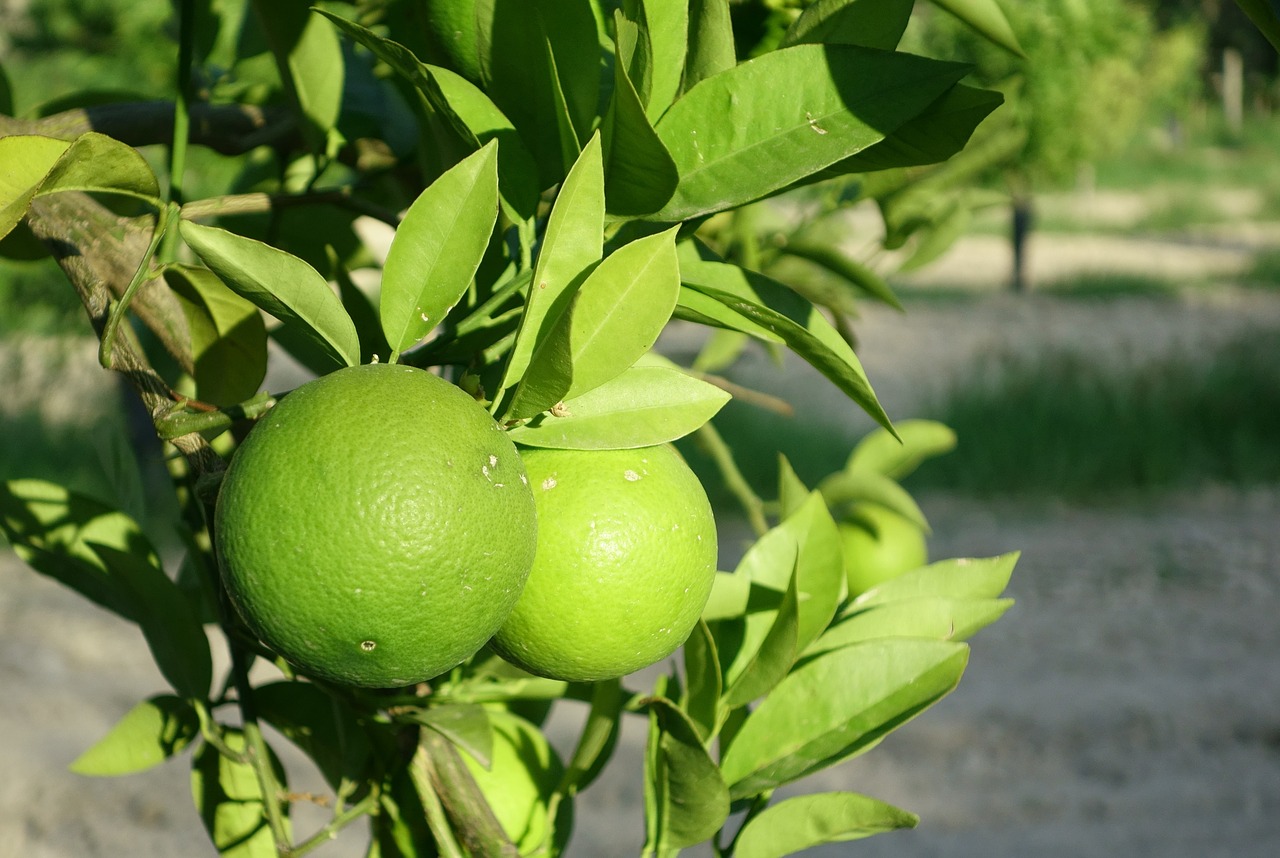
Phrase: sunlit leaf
{"type": "Point", "coordinates": [804, 821]}
{"type": "Point", "coordinates": [150, 733]}
{"type": "Point", "coordinates": [309, 59]}
{"type": "Point", "coordinates": [870, 23]}
{"type": "Point", "coordinates": [228, 337]}
{"type": "Point", "coordinates": [24, 162]}
{"type": "Point", "coordinates": [897, 458]}
{"type": "Point", "coordinates": [229, 798]}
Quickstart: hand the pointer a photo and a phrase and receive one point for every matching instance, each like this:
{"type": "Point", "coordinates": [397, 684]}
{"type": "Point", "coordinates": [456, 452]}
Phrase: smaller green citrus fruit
{"type": "Point", "coordinates": [879, 545]}
{"type": "Point", "coordinates": [523, 773]}
{"type": "Point", "coordinates": [375, 527]}
{"type": "Point", "coordinates": [625, 561]}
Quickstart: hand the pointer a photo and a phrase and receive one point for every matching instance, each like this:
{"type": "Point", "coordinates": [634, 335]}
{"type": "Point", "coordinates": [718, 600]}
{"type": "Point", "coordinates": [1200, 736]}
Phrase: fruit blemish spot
{"type": "Point", "coordinates": [631, 476]}
{"type": "Point", "coordinates": [493, 461]}
{"type": "Point", "coordinates": [548, 484]}
{"type": "Point", "coordinates": [368, 646]}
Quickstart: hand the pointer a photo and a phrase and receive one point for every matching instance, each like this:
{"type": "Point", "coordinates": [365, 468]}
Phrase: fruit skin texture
{"type": "Point", "coordinates": [375, 527]}
{"type": "Point", "coordinates": [625, 561]}
{"type": "Point", "coordinates": [879, 545]}
{"type": "Point", "coordinates": [524, 771]}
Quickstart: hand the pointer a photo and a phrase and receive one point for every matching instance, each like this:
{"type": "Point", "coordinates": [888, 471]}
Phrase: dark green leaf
{"type": "Point", "coordinates": [870, 23]}
{"type": "Point", "coordinates": [96, 163]}
{"type": "Point", "coordinates": [168, 621]}
{"type": "Point", "coordinates": [837, 705]}
{"type": "Point", "coordinates": [832, 259]}
{"type": "Point", "coordinates": [24, 162]}
{"type": "Point", "coordinates": [598, 739]}
{"type": "Point", "coordinates": [1265, 17]}
{"type": "Point", "coordinates": [692, 801]}
{"type": "Point", "coordinates": [52, 530]}
{"type": "Point", "coordinates": [6, 94]}
{"type": "Point", "coordinates": [644, 406]}
{"type": "Point", "coordinates": [228, 337]}
{"type": "Point", "coordinates": [466, 725]}
{"type": "Point", "coordinates": [694, 306]}
{"type": "Point", "coordinates": [798, 823]}
{"type": "Point", "coordinates": [150, 733]}
{"type": "Point", "coordinates": [229, 799]}
{"type": "Point", "coordinates": [665, 24]}
{"type": "Point", "coordinates": [282, 285]}
{"type": "Point", "coordinates": [309, 59]}
{"type": "Point", "coordinates": [639, 174]}
{"type": "Point", "coordinates": [896, 458]}
{"type": "Point", "coordinates": [987, 18]}
{"type": "Point", "coordinates": [962, 578]}
{"type": "Point", "coordinates": [452, 26]}
{"type": "Point", "coordinates": [921, 617]}
{"type": "Point", "coordinates": [322, 726]}
{"type": "Point", "coordinates": [790, 317]}
{"type": "Point", "coordinates": [704, 685]}
{"type": "Point", "coordinates": [438, 247]}
{"type": "Point", "coordinates": [573, 243]}
{"type": "Point", "coordinates": [710, 48]}
{"type": "Point", "coordinates": [734, 141]}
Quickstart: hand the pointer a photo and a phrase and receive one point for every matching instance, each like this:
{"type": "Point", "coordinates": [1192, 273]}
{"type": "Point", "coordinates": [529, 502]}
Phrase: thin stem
{"type": "Point", "coordinates": [259, 754]}
{"type": "Point", "coordinates": [185, 422]}
{"type": "Point", "coordinates": [258, 203]}
{"type": "Point", "coordinates": [121, 307]}
{"type": "Point", "coordinates": [209, 732]}
{"type": "Point", "coordinates": [752, 505]}
{"type": "Point", "coordinates": [181, 111]}
{"type": "Point", "coordinates": [340, 820]}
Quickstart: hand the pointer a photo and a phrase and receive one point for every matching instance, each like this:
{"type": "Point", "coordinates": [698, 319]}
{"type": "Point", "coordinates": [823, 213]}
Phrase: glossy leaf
{"type": "Point", "coordinates": [846, 489]}
{"type": "Point", "coordinates": [987, 18]}
{"type": "Point", "coordinates": [96, 163]}
{"type": "Point", "coordinates": [769, 662]}
{"type": "Point", "coordinates": [466, 725]}
{"type": "Point", "coordinates": [840, 99]}
{"type": "Point", "coordinates": [837, 705]}
{"type": "Point", "coordinates": [168, 621]}
{"type": "Point", "coordinates": [703, 682]}
{"type": "Point", "coordinates": [24, 162]}
{"type": "Point", "coordinates": [616, 316]}
{"type": "Point", "coordinates": [320, 725]}
{"type": "Point", "coordinates": [53, 530]}
{"type": "Point", "coordinates": [438, 247]}
{"type": "Point", "coordinates": [710, 46]}
{"type": "Point", "coordinates": [798, 823]}
{"type": "Point", "coordinates": [469, 111]}
{"type": "Point", "coordinates": [640, 175]}
{"type": "Point", "coordinates": [790, 317]}
{"type": "Point", "coordinates": [228, 337]}
{"type": "Point", "coordinates": [694, 306]}
{"type": "Point", "coordinates": [870, 23]}
{"type": "Point", "coordinates": [691, 800]}
{"type": "Point", "coordinates": [961, 578]}
{"type": "Point", "coordinates": [792, 492]}
{"type": "Point", "coordinates": [730, 597]}
{"type": "Point", "coordinates": [572, 244]}
{"type": "Point", "coordinates": [954, 619]}
{"type": "Point", "coordinates": [644, 406]}
{"type": "Point", "coordinates": [666, 27]}
{"type": "Point", "coordinates": [282, 285]}
{"type": "Point", "coordinates": [229, 799]}
{"type": "Point", "coordinates": [897, 458]}
{"type": "Point", "coordinates": [150, 733]}
{"type": "Point", "coordinates": [309, 59]}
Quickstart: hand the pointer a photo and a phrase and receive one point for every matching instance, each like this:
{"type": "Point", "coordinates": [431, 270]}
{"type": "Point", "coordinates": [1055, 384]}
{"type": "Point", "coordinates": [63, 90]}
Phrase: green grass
{"type": "Point", "coordinates": [1064, 426]}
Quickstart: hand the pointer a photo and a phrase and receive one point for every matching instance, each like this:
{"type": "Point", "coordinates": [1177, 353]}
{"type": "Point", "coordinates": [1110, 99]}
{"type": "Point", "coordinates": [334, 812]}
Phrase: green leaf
{"type": "Point", "coordinates": [837, 705]}
{"type": "Point", "coordinates": [694, 306]}
{"type": "Point", "coordinates": [897, 458]}
{"type": "Point", "coordinates": [960, 578]}
{"type": "Point", "coordinates": [665, 25]}
{"type": "Point", "coordinates": [615, 317]}
{"type": "Point", "coordinates": [704, 684]}
{"type": "Point", "coordinates": [730, 597]}
{"type": "Point", "coordinates": [640, 175]}
{"type": "Point", "coordinates": [24, 162]}
{"type": "Point", "coordinates": [96, 163]}
{"type": "Point", "coordinates": [438, 247]}
{"type": "Point", "coordinates": [229, 799]}
{"type": "Point", "coordinates": [770, 661]}
{"type": "Point", "coordinates": [573, 243]}
{"type": "Point", "coordinates": [710, 48]}
{"type": "Point", "coordinates": [167, 619]}
{"type": "Point", "coordinates": [228, 337]}
{"type": "Point", "coordinates": [598, 739]}
{"type": "Point", "coordinates": [6, 93]}
{"type": "Point", "coordinates": [692, 802]}
{"type": "Point", "coordinates": [323, 727]}
{"type": "Point", "coordinates": [466, 725]}
{"type": "Point", "coordinates": [1265, 17]}
{"type": "Point", "coordinates": [846, 489]}
{"type": "Point", "coordinates": [734, 141]}
{"type": "Point", "coordinates": [53, 531]}
{"type": "Point", "coordinates": [282, 285]}
{"type": "Point", "coordinates": [852, 272]}
{"type": "Point", "coordinates": [987, 18]}
{"type": "Point", "coordinates": [920, 617]}
{"type": "Point", "coordinates": [156, 729]}
{"type": "Point", "coordinates": [309, 59]}
{"type": "Point", "coordinates": [798, 823]}
{"type": "Point", "coordinates": [800, 325]}
{"type": "Point", "coordinates": [792, 492]}
{"type": "Point", "coordinates": [471, 114]}
{"type": "Point", "coordinates": [870, 23]}
{"type": "Point", "coordinates": [644, 406]}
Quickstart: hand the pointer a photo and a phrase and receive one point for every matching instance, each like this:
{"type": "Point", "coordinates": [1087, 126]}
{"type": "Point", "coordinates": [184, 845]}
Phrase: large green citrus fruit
{"type": "Point", "coordinates": [879, 545]}
{"type": "Point", "coordinates": [524, 771]}
{"type": "Point", "coordinates": [625, 561]}
{"type": "Point", "coordinates": [376, 526]}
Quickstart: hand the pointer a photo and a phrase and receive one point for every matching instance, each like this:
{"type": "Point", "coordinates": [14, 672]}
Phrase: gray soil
{"type": "Point", "coordinates": [1129, 704]}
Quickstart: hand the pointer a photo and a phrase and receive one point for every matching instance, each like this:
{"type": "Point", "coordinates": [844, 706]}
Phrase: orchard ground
{"type": "Point", "coordinates": [1129, 704]}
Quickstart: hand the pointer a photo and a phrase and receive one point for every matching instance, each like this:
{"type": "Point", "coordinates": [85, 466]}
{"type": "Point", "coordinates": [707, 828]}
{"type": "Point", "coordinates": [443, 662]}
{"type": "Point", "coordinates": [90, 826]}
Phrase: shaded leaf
{"type": "Point", "coordinates": [694, 306]}
{"type": "Point", "coordinates": [845, 490]}
{"type": "Point", "coordinates": [438, 247]}
{"type": "Point", "coordinates": [795, 824]}
{"type": "Point", "coordinates": [229, 799]}
{"type": "Point", "coordinates": [770, 661]}
{"type": "Point", "coordinates": [228, 337]}
{"type": "Point", "coordinates": [644, 406]}
{"type": "Point", "coordinates": [692, 802]}
{"type": "Point", "coordinates": [866, 282]}
{"type": "Point", "coordinates": [320, 725]}
{"type": "Point", "coordinates": [153, 731]}
{"type": "Point", "coordinates": [704, 684]}
{"type": "Point", "coordinates": [710, 47]}
{"type": "Point", "coordinates": [986, 17]}
{"type": "Point", "coordinates": [282, 285]}
{"type": "Point", "coordinates": [309, 59]}
{"type": "Point", "coordinates": [870, 23]}
{"type": "Point", "coordinates": [466, 725]}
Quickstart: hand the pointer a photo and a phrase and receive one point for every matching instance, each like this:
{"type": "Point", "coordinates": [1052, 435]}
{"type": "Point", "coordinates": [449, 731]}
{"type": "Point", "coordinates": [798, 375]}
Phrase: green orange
{"type": "Point", "coordinates": [625, 561]}
{"type": "Point", "coordinates": [879, 545]}
{"type": "Point", "coordinates": [375, 527]}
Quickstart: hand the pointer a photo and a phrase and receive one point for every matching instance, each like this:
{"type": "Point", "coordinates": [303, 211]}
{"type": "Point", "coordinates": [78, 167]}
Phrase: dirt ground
{"type": "Point", "coordinates": [1129, 704]}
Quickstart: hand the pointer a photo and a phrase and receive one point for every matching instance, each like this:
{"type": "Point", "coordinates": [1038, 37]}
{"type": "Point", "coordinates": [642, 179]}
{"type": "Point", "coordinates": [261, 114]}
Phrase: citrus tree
{"type": "Point", "coordinates": [473, 511]}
